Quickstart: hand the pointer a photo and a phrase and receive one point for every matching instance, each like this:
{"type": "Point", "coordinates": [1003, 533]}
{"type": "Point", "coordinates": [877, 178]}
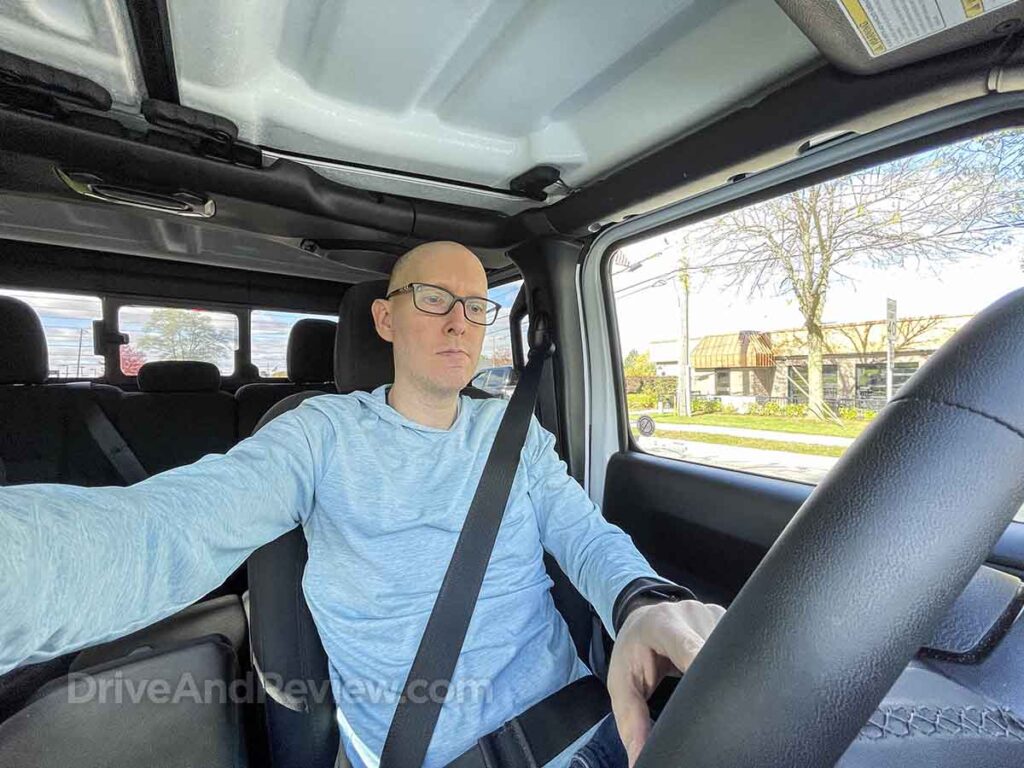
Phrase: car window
{"type": "Point", "coordinates": [790, 322]}
{"type": "Point", "coordinates": [67, 324]}
{"type": "Point", "coordinates": [497, 347]}
{"type": "Point", "coordinates": [270, 330]}
{"type": "Point", "coordinates": [172, 333]}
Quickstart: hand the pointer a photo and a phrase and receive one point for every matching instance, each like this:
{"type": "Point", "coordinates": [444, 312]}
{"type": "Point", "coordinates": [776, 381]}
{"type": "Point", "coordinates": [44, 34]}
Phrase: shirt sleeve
{"type": "Point", "coordinates": [598, 557]}
{"type": "Point", "coordinates": [81, 566]}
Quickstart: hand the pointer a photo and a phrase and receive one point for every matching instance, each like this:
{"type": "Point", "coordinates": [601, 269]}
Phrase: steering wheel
{"type": "Point", "coordinates": [865, 570]}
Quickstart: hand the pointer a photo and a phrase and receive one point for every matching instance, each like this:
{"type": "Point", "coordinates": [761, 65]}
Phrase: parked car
{"type": "Point", "coordinates": [500, 381]}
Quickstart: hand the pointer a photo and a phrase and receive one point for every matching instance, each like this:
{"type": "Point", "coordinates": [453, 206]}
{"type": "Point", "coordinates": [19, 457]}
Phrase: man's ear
{"type": "Point", "coordinates": [381, 311]}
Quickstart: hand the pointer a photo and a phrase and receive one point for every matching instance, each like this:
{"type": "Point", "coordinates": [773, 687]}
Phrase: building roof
{"type": "Point", "coordinates": [746, 349]}
{"type": "Point", "coordinates": [761, 349]}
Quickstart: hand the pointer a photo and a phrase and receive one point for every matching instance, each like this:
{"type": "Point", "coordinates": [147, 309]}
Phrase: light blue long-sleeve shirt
{"type": "Point", "coordinates": [381, 500]}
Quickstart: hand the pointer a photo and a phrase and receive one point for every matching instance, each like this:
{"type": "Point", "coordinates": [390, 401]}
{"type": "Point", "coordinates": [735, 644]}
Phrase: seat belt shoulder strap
{"type": "Point", "coordinates": [415, 718]}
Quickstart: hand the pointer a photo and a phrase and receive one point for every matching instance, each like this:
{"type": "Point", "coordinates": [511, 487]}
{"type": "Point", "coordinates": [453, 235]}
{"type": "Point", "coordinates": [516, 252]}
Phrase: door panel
{"type": "Point", "coordinates": [708, 528]}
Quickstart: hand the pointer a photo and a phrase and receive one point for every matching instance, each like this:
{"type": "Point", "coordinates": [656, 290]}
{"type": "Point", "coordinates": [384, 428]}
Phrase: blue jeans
{"type": "Point", "coordinates": [604, 750]}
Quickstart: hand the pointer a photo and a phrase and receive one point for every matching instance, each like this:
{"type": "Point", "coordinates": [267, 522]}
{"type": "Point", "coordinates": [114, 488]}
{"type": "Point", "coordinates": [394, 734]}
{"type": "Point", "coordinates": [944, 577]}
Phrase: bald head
{"type": "Point", "coordinates": [424, 262]}
{"type": "Point", "coordinates": [435, 354]}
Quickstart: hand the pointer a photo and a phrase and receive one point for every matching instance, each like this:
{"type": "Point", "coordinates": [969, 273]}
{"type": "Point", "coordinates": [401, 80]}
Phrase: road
{"type": "Point", "coordinates": [759, 434]}
{"type": "Point", "coordinates": [793, 466]}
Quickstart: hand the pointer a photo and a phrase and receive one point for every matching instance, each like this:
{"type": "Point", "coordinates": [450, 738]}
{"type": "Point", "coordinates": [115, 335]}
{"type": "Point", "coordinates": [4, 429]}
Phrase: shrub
{"type": "Point", "coordinates": [702, 405]}
{"type": "Point", "coordinates": [795, 410]}
{"type": "Point", "coordinates": [730, 409]}
{"type": "Point", "coordinates": [849, 413]}
{"type": "Point", "coordinates": [640, 401]}
{"type": "Point", "coordinates": [765, 409]}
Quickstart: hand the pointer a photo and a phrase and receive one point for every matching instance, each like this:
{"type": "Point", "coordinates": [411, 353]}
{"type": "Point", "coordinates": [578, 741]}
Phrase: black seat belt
{"type": "Point", "coordinates": [110, 442]}
{"type": "Point", "coordinates": [416, 716]}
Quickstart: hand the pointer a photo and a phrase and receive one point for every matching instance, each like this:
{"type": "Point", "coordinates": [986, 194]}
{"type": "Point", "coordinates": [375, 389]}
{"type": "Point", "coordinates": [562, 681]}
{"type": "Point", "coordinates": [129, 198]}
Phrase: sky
{"type": "Point", "coordinates": [652, 314]}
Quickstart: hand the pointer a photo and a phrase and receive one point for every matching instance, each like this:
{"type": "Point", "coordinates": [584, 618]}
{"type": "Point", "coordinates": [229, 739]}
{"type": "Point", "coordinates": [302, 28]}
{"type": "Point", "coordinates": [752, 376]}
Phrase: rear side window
{"type": "Point", "coordinates": [67, 323]}
{"type": "Point", "coordinates": [496, 355]}
{"type": "Point", "coordinates": [270, 332]}
{"type": "Point", "coordinates": [171, 333]}
{"type": "Point", "coordinates": [767, 338]}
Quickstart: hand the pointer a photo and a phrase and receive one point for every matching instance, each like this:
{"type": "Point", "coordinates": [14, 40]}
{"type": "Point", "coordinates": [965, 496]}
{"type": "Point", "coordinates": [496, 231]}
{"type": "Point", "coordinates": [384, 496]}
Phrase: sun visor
{"type": "Point", "coordinates": [868, 36]}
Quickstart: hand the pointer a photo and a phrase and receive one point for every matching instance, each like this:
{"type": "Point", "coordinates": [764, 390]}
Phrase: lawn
{"type": "Point", "coordinates": [750, 442]}
{"type": "Point", "coordinates": [798, 426]}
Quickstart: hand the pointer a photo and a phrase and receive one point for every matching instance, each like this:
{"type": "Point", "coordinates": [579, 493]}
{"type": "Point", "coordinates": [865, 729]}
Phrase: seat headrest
{"type": "Point", "coordinates": [23, 356]}
{"type": "Point", "coordinates": [362, 359]}
{"type": "Point", "coordinates": [179, 376]}
{"type": "Point", "coordinates": [311, 351]}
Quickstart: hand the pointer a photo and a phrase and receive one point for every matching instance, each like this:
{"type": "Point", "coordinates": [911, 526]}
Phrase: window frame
{"type": "Point", "coordinates": [607, 417]}
{"type": "Point", "coordinates": [85, 294]}
{"type": "Point", "coordinates": [112, 352]}
{"type": "Point", "coordinates": [259, 378]}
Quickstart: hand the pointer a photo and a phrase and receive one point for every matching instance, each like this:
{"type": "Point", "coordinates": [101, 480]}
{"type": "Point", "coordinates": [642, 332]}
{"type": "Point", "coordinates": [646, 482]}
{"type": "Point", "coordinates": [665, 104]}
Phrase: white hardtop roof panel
{"type": "Point", "coordinates": [472, 91]}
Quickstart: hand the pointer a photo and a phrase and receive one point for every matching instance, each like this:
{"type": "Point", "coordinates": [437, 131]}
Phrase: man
{"type": "Point", "coordinates": [381, 483]}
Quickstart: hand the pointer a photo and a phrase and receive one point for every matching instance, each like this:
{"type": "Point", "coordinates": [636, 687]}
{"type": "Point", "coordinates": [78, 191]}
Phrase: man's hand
{"type": "Point", "coordinates": [655, 641]}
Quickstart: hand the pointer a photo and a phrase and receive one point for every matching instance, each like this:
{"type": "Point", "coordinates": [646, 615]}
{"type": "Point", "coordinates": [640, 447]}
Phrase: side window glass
{"type": "Point", "coordinates": [170, 333]}
{"type": "Point", "coordinates": [497, 349]}
{"type": "Point", "coordinates": [270, 332]}
{"type": "Point", "coordinates": [767, 338]}
{"type": "Point", "coordinates": [67, 324]}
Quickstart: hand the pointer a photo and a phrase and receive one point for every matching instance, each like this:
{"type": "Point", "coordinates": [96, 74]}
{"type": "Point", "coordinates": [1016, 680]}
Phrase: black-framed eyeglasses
{"type": "Point", "coordinates": [435, 300]}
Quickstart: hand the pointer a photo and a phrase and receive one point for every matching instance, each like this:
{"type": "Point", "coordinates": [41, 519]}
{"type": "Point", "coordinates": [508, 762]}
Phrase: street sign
{"type": "Point", "coordinates": [890, 318]}
{"type": "Point", "coordinates": [645, 425]}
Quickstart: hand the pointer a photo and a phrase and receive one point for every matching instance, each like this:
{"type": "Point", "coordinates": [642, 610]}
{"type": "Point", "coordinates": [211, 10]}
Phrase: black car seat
{"type": "Point", "coordinates": [303, 730]}
{"type": "Point", "coordinates": [113, 716]}
{"type": "Point", "coordinates": [178, 415]}
{"type": "Point", "coordinates": [310, 365]}
{"type": "Point", "coordinates": [42, 436]}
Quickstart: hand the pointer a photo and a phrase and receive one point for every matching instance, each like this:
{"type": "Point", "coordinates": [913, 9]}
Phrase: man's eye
{"type": "Point", "coordinates": [433, 298]}
{"type": "Point", "coordinates": [477, 308]}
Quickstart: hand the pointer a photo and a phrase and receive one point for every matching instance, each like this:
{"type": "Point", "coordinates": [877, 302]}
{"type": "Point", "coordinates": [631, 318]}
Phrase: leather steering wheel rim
{"type": "Point", "coordinates": [865, 570]}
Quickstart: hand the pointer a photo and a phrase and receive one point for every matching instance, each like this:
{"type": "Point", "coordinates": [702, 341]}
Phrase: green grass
{"type": "Point", "coordinates": [751, 442]}
{"type": "Point", "coordinates": [773, 423]}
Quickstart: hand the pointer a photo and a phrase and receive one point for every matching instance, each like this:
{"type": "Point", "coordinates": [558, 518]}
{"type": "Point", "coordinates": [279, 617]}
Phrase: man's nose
{"type": "Point", "coordinates": [455, 321]}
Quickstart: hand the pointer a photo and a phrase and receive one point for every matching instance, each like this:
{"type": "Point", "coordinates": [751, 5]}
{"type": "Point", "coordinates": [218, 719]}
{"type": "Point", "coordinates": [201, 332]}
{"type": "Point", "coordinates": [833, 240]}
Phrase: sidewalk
{"type": "Point", "coordinates": [762, 434]}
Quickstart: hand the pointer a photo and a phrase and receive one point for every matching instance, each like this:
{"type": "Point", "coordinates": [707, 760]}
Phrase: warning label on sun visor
{"type": "Point", "coordinates": [887, 25]}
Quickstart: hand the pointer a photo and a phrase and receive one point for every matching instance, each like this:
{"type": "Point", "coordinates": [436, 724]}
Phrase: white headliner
{"type": "Point", "coordinates": [475, 91]}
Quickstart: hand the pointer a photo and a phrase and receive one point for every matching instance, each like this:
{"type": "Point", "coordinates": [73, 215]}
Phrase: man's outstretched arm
{"type": "Point", "coordinates": [80, 566]}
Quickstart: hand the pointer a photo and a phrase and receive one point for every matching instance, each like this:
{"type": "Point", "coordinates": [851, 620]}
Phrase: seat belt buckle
{"type": "Point", "coordinates": [507, 747]}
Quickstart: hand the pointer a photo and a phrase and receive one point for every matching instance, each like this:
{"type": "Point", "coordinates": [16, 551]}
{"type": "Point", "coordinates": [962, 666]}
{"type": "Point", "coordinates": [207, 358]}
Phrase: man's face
{"type": "Point", "coordinates": [438, 353]}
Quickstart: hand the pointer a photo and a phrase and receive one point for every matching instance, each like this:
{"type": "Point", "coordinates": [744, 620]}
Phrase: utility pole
{"type": "Point", "coordinates": [78, 366]}
{"type": "Point", "coordinates": [683, 393]}
{"type": "Point", "coordinates": [890, 325]}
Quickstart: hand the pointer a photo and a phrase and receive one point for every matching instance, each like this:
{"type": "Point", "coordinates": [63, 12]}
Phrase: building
{"type": "Point", "coordinates": [766, 365]}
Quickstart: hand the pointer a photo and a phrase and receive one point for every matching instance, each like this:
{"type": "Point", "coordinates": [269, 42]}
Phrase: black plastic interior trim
{"type": "Point", "coordinates": [152, 31]}
{"type": "Point", "coordinates": [782, 119]}
{"type": "Point", "coordinates": [548, 266]}
{"type": "Point", "coordinates": [708, 527]}
{"type": "Point", "coordinates": [34, 266]}
{"type": "Point", "coordinates": [986, 645]}
{"type": "Point", "coordinates": [1011, 118]}
{"type": "Point", "coordinates": [285, 184]}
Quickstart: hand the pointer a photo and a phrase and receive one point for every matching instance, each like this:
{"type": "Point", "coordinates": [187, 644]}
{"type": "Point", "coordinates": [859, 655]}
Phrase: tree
{"type": "Point", "coordinates": [183, 334]}
{"type": "Point", "coordinates": [131, 360]}
{"type": "Point", "coordinates": [638, 364]}
{"type": "Point", "coordinates": [941, 205]}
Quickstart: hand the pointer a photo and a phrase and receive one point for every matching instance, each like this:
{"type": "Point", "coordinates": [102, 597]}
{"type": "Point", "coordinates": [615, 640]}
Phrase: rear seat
{"type": "Point", "coordinates": [310, 368]}
{"type": "Point", "coordinates": [178, 415]}
{"type": "Point", "coordinates": [42, 437]}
